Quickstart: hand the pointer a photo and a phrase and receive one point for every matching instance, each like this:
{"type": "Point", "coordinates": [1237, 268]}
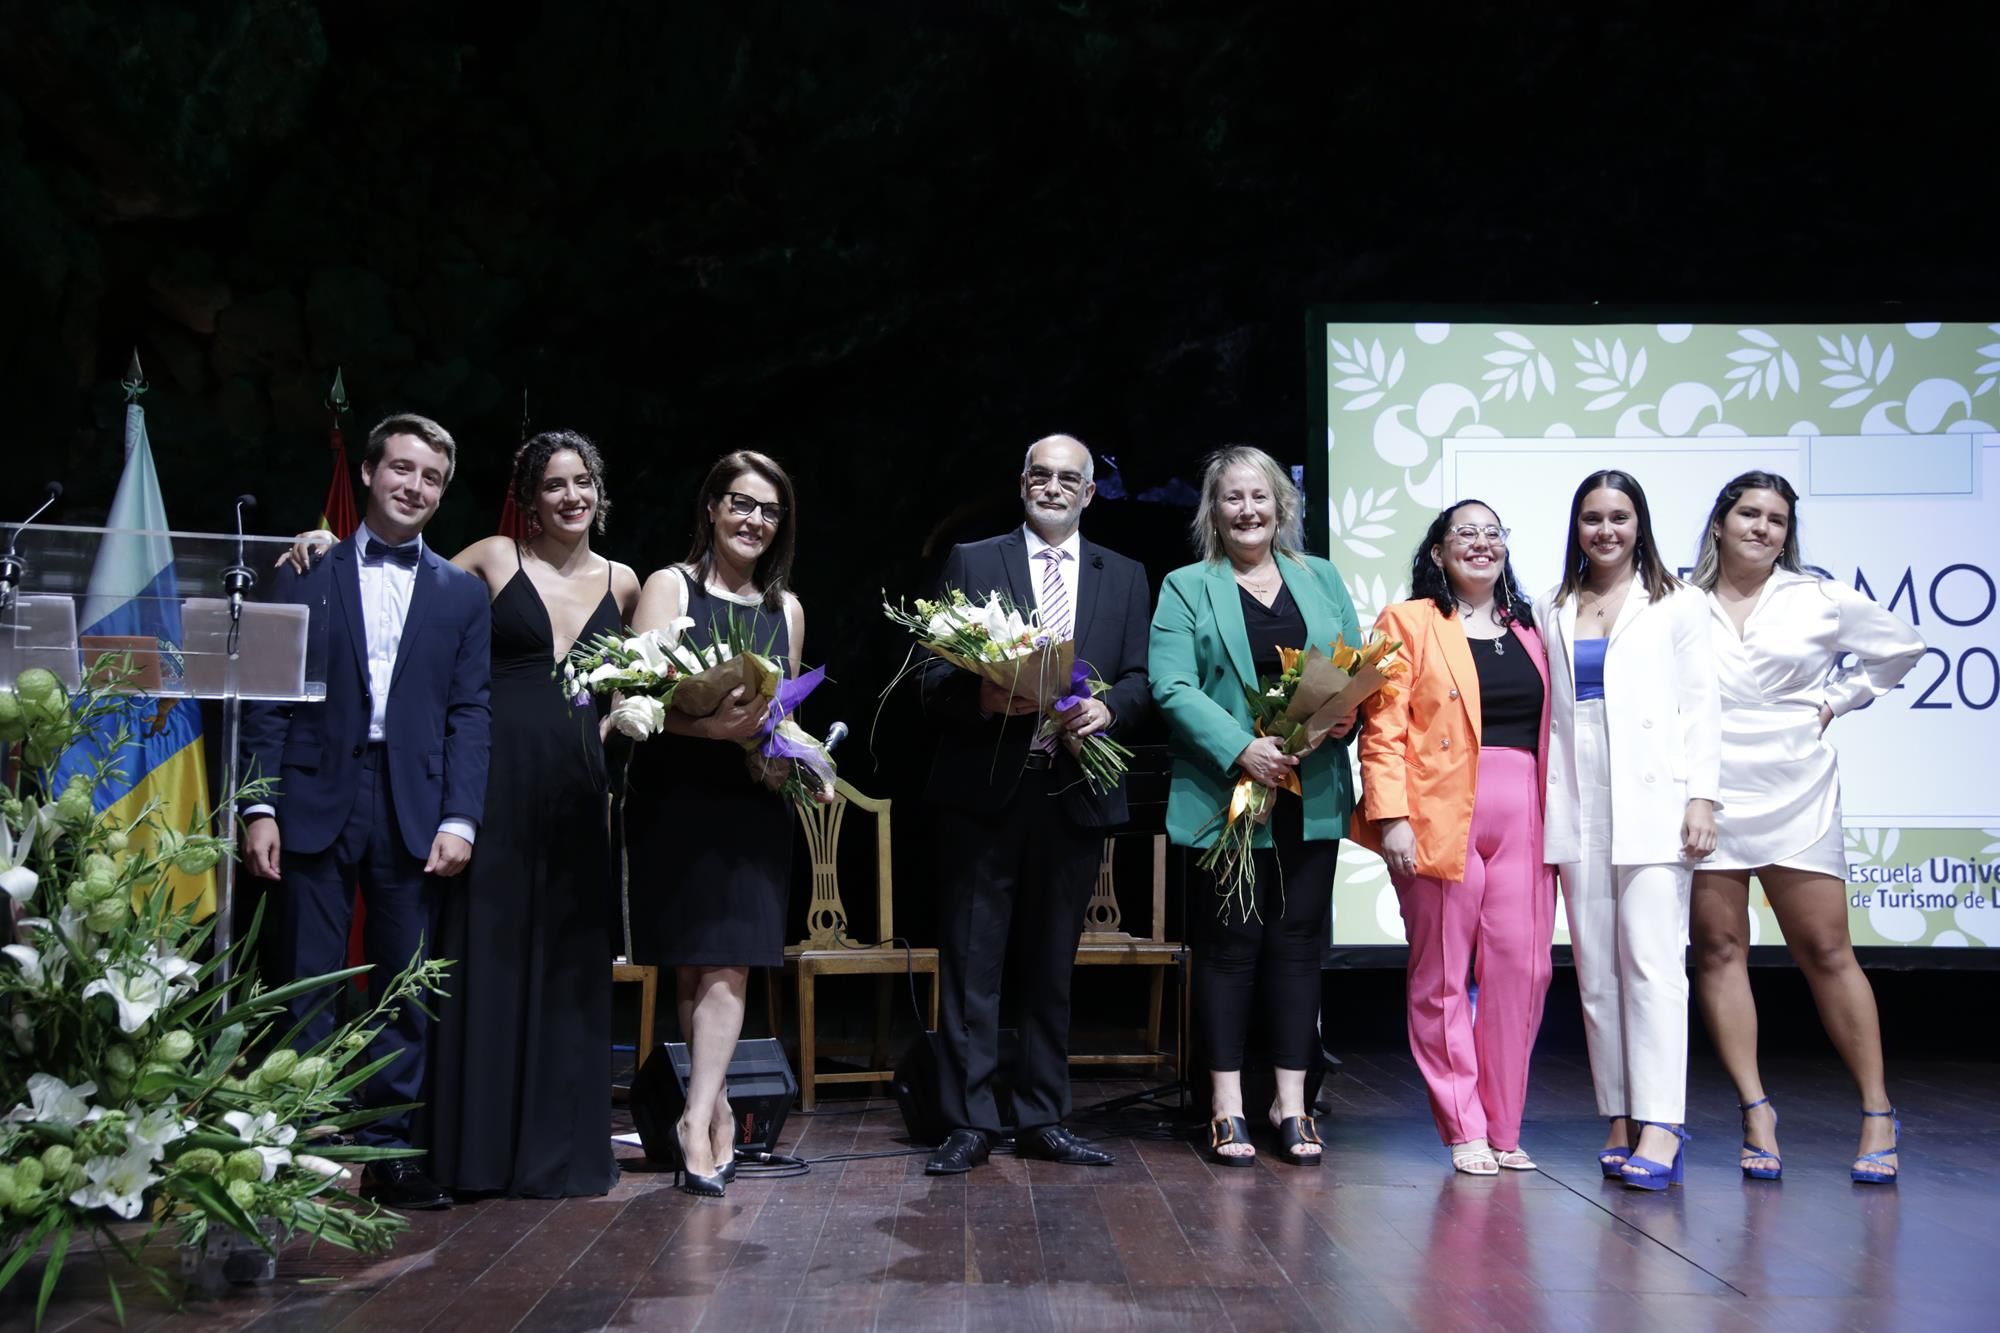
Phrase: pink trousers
{"type": "Point", "coordinates": [1495, 926]}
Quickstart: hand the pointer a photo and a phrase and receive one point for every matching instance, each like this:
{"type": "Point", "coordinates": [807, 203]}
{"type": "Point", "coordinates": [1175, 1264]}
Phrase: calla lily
{"type": "Point", "coordinates": [19, 883]}
{"type": "Point", "coordinates": [154, 1130]}
{"type": "Point", "coordinates": [29, 960]}
{"type": "Point", "coordinates": [54, 1102]}
{"type": "Point", "coordinates": [318, 1165]}
{"type": "Point", "coordinates": [118, 1183]}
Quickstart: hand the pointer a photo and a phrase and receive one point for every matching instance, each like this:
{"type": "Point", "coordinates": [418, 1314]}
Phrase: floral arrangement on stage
{"type": "Point", "coordinates": [127, 1083]}
{"type": "Point", "coordinates": [1304, 702]}
{"type": "Point", "coordinates": [657, 671]}
{"type": "Point", "coordinates": [996, 642]}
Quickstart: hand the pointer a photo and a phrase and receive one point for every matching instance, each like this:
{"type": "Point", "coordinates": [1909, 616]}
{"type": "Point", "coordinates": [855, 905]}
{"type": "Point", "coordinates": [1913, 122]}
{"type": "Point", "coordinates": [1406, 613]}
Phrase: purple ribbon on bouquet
{"type": "Point", "coordinates": [774, 744]}
{"type": "Point", "coordinates": [1079, 688]}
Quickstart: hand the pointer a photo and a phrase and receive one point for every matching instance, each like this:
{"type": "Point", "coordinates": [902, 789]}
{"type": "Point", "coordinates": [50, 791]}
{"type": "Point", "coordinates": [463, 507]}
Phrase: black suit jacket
{"type": "Point", "coordinates": [979, 759]}
{"type": "Point", "coordinates": [438, 719]}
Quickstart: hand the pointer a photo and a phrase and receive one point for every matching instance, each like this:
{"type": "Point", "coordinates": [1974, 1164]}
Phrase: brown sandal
{"type": "Point", "coordinates": [1225, 1130]}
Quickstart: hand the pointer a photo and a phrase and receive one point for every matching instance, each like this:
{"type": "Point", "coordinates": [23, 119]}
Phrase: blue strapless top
{"type": "Point", "coordinates": [1589, 657]}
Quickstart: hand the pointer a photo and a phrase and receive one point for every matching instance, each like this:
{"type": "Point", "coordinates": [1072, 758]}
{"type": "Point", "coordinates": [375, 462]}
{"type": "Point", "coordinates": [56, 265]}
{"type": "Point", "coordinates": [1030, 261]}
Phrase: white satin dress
{"type": "Point", "coordinates": [1780, 778]}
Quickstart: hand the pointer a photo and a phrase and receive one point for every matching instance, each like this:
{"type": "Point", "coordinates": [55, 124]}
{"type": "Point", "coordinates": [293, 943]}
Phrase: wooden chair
{"type": "Point", "coordinates": [829, 948]}
{"type": "Point", "coordinates": [647, 978]}
{"type": "Point", "coordinates": [1105, 944]}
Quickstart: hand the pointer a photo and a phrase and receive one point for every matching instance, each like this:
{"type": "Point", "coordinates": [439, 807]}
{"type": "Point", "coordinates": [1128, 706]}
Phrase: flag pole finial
{"type": "Point", "coordinates": [134, 382]}
{"type": "Point", "coordinates": [336, 397]}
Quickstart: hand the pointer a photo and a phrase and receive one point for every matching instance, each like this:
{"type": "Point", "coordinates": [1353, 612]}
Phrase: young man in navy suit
{"type": "Point", "coordinates": [385, 781]}
{"type": "Point", "coordinates": [1020, 831]}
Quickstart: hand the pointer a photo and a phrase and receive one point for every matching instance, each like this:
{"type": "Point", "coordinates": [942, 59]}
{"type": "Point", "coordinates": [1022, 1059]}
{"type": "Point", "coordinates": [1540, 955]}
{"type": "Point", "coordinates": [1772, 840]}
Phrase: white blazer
{"type": "Point", "coordinates": [1664, 714]}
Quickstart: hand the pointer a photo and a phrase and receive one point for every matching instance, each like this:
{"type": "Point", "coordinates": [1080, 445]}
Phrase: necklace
{"type": "Point", "coordinates": [1610, 601]}
{"type": "Point", "coordinates": [1260, 586]}
{"type": "Point", "coordinates": [1499, 642]}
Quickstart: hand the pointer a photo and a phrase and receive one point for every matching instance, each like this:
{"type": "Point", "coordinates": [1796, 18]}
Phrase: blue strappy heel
{"type": "Point", "coordinates": [1888, 1177]}
{"type": "Point", "coordinates": [1752, 1170]}
{"type": "Point", "coordinates": [1606, 1156]}
{"type": "Point", "coordinates": [1643, 1173]}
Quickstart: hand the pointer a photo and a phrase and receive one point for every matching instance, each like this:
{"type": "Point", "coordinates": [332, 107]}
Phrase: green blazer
{"type": "Point", "coordinates": [1199, 664]}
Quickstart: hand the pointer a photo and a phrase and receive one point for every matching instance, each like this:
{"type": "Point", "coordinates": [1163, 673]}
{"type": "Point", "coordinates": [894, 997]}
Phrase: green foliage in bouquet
{"type": "Point", "coordinates": [137, 1085]}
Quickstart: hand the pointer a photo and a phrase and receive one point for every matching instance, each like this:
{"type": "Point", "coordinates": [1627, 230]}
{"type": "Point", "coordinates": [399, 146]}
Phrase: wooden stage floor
{"type": "Point", "coordinates": [1383, 1237]}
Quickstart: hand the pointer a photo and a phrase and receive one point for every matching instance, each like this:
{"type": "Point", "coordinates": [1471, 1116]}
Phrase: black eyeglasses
{"type": "Point", "coordinates": [741, 504]}
{"type": "Point", "coordinates": [1039, 477]}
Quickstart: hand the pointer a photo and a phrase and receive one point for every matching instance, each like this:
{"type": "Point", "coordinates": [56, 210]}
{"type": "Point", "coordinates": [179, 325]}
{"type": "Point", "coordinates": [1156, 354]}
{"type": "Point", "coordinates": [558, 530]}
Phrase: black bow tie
{"type": "Point", "coordinates": [379, 552]}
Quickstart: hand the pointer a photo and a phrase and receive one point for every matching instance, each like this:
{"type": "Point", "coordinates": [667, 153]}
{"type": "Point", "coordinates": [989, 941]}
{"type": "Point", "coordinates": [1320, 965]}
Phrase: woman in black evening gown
{"type": "Point", "coordinates": [716, 846]}
{"type": "Point", "coordinates": [520, 1058]}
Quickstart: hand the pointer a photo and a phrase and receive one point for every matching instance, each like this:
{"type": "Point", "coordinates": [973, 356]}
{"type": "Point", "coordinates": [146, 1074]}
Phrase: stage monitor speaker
{"type": "Point", "coordinates": [916, 1086]}
{"type": "Point", "coordinates": [761, 1092]}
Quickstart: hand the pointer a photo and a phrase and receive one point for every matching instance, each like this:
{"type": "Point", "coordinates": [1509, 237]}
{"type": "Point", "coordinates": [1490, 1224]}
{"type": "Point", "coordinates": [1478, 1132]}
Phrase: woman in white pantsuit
{"type": "Point", "coordinates": [1783, 639]}
{"type": "Point", "coordinates": [1632, 790]}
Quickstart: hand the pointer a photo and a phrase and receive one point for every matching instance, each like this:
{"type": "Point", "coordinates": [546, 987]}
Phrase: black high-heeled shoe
{"type": "Point", "coordinates": [693, 1182]}
{"type": "Point", "coordinates": [1294, 1133]}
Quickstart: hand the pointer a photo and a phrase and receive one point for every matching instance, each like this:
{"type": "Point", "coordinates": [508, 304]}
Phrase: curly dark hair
{"type": "Point", "coordinates": [1428, 579]}
{"type": "Point", "coordinates": [531, 461]}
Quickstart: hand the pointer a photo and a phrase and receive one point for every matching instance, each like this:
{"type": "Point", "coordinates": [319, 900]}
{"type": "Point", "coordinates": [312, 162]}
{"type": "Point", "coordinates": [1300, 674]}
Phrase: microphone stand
{"type": "Point", "coordinates": [238, 580]}
{"type": "Point", "coordinates": [12, 566]}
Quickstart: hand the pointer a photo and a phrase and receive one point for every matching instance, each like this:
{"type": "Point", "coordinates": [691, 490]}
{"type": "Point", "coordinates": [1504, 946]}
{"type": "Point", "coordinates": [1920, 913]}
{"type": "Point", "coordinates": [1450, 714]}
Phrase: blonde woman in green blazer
{"type": "Point", "coordinates": [1216, 631]}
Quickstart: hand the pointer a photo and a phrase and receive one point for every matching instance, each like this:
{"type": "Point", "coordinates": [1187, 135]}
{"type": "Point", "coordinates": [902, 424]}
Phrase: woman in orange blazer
{"type": "Point", "coordinates": [1452, 771]}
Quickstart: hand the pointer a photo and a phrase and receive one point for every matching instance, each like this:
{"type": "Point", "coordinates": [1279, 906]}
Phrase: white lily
{"type": "Point", "coordinates": [19, 883]}
{"type": "Point", "coordinates": [54, 1102]}
{"type": "Point", "coordinates": [155, 1130]}
{"type": "Point", "coordinates": [139, 993]}
{"type": "Point", "coordinates": [263, 1132]}
{"type": "Point", "coordinates": [602, 672]}
{"type": "Point", "coordinates": [29, 960]}
{"type": "Point", "coordinates": [118, 1183]}
{"type": "Point", "coordinates": [318, 1165]}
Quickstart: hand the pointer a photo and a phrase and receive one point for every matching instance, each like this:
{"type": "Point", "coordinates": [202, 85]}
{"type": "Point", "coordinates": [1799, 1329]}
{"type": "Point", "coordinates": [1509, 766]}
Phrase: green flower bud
{"type": "Point", "coordinates": [309, 1073]}
{"type": "Point", "coordinates": [12, 725]}
{"type": "Point", "coordinates": [244, 1193]}
{"type": "Point", "coordinates": [117, 841]}
{"type": "Point", "coordinates": [56, 1159]}
{"type": "Point", "coordinates": [73, 1180]}
{"type": "Point", "coordinates": [107, 913]}
{"type": "Point", "coordinates": [100, 869]}
{"type": "Point", "coordinates": [204, 1161]}
{"type": "Point", "coordinates": [196, 858]}
{"type": "Point", "coordinates": [42, 748]}
{"type": "Point", "coordinates": [121, 1060]}
{"type": "Point", "coordinates": [176, 1046]}
{"type": "Point", "coordinates": [77, 895]}
{"type": "Point", "coordinates": [40, 695]}
{"type": "Point", "coordinates": [116, 1089]}
{"type": "Point", "coordinates": [256, 1084]}
{"type": "Point", "coordinates": [27, 1175]}
{"type": "Point", "coordinates": [6, 1186]}
{"type": "Point", "coordinates": [244, 1165]}
{"type": "Point", "coordinates": [73, 807]}
{"type": "Point", "coordinates": [278, 1066]}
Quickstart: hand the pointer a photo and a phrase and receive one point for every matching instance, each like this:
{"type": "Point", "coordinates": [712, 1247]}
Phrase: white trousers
{"type": "Point", "coordinates": [1628, 934]}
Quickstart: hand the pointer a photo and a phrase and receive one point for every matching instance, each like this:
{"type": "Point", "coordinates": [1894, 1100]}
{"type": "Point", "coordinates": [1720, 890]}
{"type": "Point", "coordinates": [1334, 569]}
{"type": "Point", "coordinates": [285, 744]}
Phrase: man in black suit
{"type": "Point", "coordinates": [384, 781]}
{"type": "Point", "coordinates": [1019, 829]}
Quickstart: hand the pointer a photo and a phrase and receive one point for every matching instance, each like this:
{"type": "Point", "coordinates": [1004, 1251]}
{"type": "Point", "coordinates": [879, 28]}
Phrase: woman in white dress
{"type": "Point", "coordinates": [1781, 635]}
{"type": "Point", "coordinates": [1632, 786]}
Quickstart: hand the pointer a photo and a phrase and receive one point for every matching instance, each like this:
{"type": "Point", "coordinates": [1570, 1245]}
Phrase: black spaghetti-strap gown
{"type": "Point", "coordinates": [709, 851]}
{"type": "Point", "coordinates": [521, 1056]}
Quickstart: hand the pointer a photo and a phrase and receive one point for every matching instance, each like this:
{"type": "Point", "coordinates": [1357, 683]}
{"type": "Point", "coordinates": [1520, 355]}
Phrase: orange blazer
{"type": "Point", "coordinates": [1420, 750]}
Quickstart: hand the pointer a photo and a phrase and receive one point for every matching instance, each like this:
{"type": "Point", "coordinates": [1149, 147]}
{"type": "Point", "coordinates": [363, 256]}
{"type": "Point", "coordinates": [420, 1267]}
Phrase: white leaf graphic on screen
{"type": "Point", "coordinates": [1857, 368]}
{"type": "Point", "coordinates": [1389, 913]}
{"type": "Point", "coordinates": [1761, 367]}
{"type": "Point", "coordinates": [1680, 411]}
{"type": "Point", "coordinates": [1354, 521]}
{"type": "Point", "coordinates": [1991, 367]}
{"type": "Point", "coordinates": [1929, 408]}
{"type": "Point", "coordinates": [1517, 369]}
{"type": "Point", "coordinates": [1367, 372]}
{"type": "Point", "coordinates": [1607, 372]}
{"type": "Point", "coordinates": [1369, 598]}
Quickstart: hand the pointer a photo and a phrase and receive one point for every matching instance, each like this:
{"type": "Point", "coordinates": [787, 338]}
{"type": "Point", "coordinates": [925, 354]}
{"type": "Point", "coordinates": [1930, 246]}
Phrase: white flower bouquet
{"type": "Point", "coordinates": [996, 642]}
{"type": "Point", "coordinates": [128, 1087]}
{"type": "Point", "coordinates": [657, 671]}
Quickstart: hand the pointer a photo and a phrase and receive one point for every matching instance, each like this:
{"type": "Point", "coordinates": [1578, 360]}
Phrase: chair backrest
{"type": "Point", "coordinates": [1103, 918]}
{"type": "Point", "coordinates": [826, 918]}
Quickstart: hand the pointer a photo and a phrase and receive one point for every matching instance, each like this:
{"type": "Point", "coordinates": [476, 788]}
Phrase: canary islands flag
{"type": "Point", "coordinates": [133, 592]}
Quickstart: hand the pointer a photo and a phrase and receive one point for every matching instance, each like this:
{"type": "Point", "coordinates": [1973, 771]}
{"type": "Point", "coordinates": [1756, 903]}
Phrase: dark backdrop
{"type": "Point", "coordinates": [892, 243]}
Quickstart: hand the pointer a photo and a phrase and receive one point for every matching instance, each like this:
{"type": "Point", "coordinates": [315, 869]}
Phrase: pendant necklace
{"type": "Point", "coordinates": [1499, 644]}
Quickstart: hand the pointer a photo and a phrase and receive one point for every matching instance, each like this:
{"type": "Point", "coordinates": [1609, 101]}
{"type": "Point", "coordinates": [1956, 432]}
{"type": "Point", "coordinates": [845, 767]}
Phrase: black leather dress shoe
{"type": "Point", "coordinates": [1056, 1144]}
{"type": "Point", "coordinates": [398, 1183]}
{"type": "Point", "coordinates": [962, 1150]}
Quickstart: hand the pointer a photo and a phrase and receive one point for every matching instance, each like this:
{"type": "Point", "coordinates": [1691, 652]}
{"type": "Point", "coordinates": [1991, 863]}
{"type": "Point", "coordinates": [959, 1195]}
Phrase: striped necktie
{"type": "Point", "coordinates": [1055, 613]}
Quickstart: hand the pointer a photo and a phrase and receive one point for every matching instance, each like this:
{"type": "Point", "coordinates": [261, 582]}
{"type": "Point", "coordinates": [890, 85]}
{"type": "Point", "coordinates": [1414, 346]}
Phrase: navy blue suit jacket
{"type": "Point", "coordinates": [979, 759]}
{"type": "Point", "coordinates": [437, 724]}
